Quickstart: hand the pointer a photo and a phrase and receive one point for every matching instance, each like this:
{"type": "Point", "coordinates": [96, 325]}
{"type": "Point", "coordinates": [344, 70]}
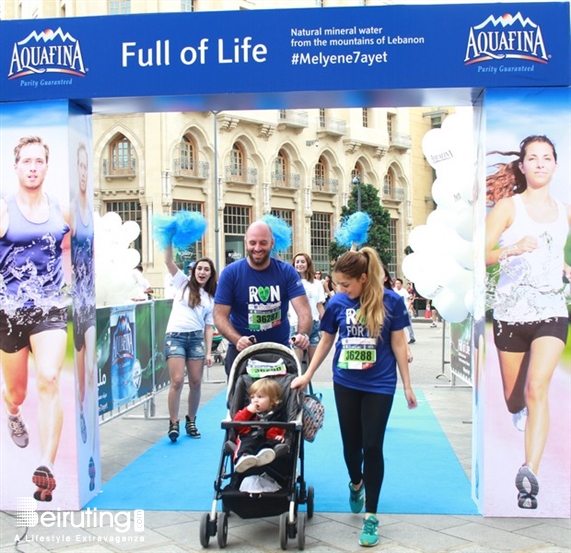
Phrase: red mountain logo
{"type": "Point", "coordinates": [505, 37]}
{"type": "Point", "coordinates": [47, 52]}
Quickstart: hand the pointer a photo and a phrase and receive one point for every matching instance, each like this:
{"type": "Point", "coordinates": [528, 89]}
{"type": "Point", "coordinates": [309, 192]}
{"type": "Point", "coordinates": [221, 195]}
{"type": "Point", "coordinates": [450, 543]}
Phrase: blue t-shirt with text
{"type": "Point", "coordinates": [364, 362]}
{"type": "Point", "coordinates": [259, 300]}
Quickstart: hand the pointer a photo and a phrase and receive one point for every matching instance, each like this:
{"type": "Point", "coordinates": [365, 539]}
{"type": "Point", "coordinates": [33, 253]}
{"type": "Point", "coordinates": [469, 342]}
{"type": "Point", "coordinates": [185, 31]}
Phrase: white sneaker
{"type": "Point", "coordinates": [265, 457]}
{"type": "Point", "coordinates": [432, 325]}
{"type": "Point", "coordinates": [245, 462]}
{"type": "Point", "coordinates": [520, 419]}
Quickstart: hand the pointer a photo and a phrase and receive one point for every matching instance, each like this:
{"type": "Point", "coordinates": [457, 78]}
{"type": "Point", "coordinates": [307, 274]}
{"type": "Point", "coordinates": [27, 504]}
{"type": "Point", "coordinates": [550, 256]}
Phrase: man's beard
{"type": "Point", "coordinates": [259, 262]}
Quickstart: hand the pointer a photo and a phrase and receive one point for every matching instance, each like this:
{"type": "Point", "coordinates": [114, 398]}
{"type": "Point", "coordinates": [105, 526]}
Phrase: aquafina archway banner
{"type": "Point", "coordinates": [378, 56]}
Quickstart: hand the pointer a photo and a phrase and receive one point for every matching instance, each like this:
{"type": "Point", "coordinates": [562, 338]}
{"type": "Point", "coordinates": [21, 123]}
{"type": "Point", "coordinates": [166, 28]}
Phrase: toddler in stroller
{"type": "Point", "coordinates": [256, 447]}
{"type": "Point", "coordinates": [260, 445]}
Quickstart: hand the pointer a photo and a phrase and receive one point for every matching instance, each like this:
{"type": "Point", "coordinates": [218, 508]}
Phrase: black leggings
{"type": "Point", "coordinates": [363, 418]}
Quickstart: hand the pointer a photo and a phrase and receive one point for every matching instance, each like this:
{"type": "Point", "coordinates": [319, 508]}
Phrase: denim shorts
{"type": "Point", "coordinates": [188, 345]}
{"type": "Point", "coordinates": [314, 335]}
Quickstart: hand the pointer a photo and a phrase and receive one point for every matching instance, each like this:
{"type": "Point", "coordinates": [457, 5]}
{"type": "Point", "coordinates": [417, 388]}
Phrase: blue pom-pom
{"type": "Point", "coordinates": [281, 231]}
{"type": "Point", "coordinates": [164, 228]}
{"type": "Point", "coordinates": [353, 229]}
{"type": "Point", "coordinates": [178, 230]}
{"type": "Point", "coordinates": [190, 227]}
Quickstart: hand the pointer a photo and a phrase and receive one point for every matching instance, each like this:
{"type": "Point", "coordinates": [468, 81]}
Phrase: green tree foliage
{"type": "Point", "coordinates": [378, 235]}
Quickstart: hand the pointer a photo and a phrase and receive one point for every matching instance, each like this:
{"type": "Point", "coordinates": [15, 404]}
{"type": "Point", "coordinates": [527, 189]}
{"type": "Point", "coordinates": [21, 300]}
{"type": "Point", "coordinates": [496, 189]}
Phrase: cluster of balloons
{"type": "Point", "coordinates": [441, 265]}
{"type": "Point", "coordinates": [115, 260]}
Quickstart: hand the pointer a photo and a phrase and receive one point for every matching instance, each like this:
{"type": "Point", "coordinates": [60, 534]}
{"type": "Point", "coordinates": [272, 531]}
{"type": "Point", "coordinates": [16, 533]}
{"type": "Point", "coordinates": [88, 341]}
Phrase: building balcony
{"type": "Point", "coordinates": [393, 194]}
{"type": "Point", "coordinates": [400, 141]}
{"type": "Point", "coordinates": [114, 170]}
{"type": "Point", "coordinates": [332, 127]}
{"type": "Point", "coordinates": [285, 180]}
{"type": "Point", "coordinates": [327, 186]}
{"type": "Point", "coordinates": [241, 175]}
{"type": "Point", "coordinates": [185, 169]}
{"type": "Point", "coordinates": [292, 119]}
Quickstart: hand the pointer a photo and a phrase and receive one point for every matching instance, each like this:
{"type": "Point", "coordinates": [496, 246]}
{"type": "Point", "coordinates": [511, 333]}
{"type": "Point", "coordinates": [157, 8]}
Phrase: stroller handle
{"type": "Point", "coordinates": [293, 425]}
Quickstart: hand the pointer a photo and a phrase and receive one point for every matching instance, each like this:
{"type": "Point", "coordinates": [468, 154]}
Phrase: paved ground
{"type": "Point", "coordinates": [126, 438]}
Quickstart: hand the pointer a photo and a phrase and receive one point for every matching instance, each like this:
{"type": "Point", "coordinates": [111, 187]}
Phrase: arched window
{"type": "Point", "coordinates": [122, 157]}
{"type": "Point", "coordinates": [320, 172]}
{"type": "Point", "coordinates": [389, 184]}
{"type": "Point", "coordinates": [237, 160]}
{"type": "Point", "coordinates": [281, 167]}
{"type": "Point", "coordinates": [357, 171]}
{"type": "Point", "coordinates": [187, 154]}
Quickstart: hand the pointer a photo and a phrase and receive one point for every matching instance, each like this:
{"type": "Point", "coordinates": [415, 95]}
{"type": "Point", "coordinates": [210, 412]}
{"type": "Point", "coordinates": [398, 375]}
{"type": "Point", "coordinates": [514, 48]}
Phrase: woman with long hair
{"type": "Point", "coordinates": [188, 340]}
{"type": "Point", "coordinates": [315, 295]}
{"type": "Point", "coordinates": [371, 344]}
{"type": "Point", "coordinates": [526, 234]}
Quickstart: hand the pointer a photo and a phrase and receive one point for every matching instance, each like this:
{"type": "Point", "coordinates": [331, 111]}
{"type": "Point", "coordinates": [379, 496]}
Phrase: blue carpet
{"type": "Point", "coordinates": [422, 472]}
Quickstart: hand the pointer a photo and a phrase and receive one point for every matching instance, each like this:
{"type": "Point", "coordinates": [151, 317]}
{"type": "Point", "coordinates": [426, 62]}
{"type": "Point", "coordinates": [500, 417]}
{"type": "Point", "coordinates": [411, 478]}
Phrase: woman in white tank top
{"type": "Point", "coordinates": [526, 235]}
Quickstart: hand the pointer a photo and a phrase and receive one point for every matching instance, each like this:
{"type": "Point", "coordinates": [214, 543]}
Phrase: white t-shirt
{"type": "Point", "coordinates": [404, 293]}
{"type": "Point", "coordinates": [315, 294]}
{"type": "Point", "coordinates": [184, 318]}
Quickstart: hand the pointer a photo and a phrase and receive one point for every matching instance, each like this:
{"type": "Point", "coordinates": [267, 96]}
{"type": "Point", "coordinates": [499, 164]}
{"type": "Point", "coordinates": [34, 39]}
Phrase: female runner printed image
{"type": "Point", "coordinates": [526, 234]}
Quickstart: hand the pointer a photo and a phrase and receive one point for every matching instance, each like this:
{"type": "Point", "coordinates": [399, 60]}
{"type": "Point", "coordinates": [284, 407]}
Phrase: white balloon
{"type": "Point", "coordinates": [437, 148]}
{"type": "Point", "coordinates": [458, 281]}
{"type": "Point", "coordinates": [441, 218]}
{"type": "Point", "coordinates": [445, 195]}
{"type": "Point", "coordinates": [461, 176]}
{"type": "Point", "coordinates": [459, 128]}
{"type": "Point", "coordinates": [464, 253]}
{"type": "Point", "coordinates": [428, 285]}
{"type": "Point", "coordinates": [416, 238]}
{"type": "Point", "coordinates": [450, 307]}
{"type": "Point", "coordinates": [131, 258]}
{"type": "Point", "coordinates": [464, 223]}
{"type": "Point", "coordinates": [414, 265]}
{"type": "Point", "coordinates": [111, 221]}
{"type": "Point", "coordinates": [130, 231]}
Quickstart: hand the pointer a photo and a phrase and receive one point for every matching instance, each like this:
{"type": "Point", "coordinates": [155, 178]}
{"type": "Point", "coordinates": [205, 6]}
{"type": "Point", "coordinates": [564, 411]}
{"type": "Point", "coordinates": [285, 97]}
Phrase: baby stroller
{"type": "Point", "coordinates": [287, 470]}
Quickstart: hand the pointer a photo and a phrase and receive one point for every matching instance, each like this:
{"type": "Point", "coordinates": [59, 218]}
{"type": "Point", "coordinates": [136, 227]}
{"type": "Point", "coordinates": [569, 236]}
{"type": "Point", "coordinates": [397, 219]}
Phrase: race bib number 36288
{"type": "Point", "coordinates": [357, 353]}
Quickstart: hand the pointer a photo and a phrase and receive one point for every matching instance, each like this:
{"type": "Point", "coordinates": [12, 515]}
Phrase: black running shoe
{"type": "Point", "coordinates": [46, 483]}
{"type": "Point", "coordinates": [526, 482]}
{"type": "Point", "coordinates": [526, 501]}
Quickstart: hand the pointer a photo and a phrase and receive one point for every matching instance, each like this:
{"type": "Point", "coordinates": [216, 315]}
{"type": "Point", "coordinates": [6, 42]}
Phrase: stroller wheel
{"type": "Point", "coordinates": [283, 530]}
{"type": "Point", "coordinates": [204, 530]}
{"type": "Point", "coordinates": [301, 530]}
{"type": "Point", "coordinates": [222, 530]}
{"type": "Point", "coordinates": [310, 499]}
